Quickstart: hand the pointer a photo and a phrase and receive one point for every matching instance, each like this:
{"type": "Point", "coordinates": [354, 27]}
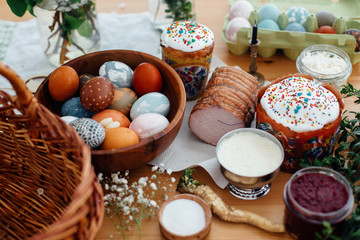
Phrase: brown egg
{"type": "Point", "coordinates": [97, 94]}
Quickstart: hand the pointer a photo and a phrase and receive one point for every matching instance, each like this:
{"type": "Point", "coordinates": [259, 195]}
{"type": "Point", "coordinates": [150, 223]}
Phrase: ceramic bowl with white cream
{"type": "Point", "coordinates": [249, 159]}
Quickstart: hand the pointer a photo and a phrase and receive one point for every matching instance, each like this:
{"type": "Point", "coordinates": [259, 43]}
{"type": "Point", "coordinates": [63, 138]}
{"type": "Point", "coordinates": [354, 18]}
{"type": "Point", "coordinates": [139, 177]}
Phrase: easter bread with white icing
{"type": "Point", "coordinates": [303, 113]}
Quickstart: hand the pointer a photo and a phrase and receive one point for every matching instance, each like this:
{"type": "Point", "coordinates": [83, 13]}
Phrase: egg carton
{"type": "Point", "coordinates": [292, 43]}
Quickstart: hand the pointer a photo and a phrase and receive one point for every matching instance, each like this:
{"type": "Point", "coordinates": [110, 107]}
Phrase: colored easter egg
{"type": "Point", "coordinates": [240, 8]}
{"type": "Point", "coordinates": [119, 73]}
{"type": "Point", "coordinates": [297, 14]}
{"type": "Point", "coordinates": [110, 118]}
{"type": "Point", "coordinates": [147, 78]}
{"type": "Point", "coordinates": [269, 24]}
{"type": "Point", "coordinates": [63, 83]}
{"type": "Point", "coordinates": [326, 30]}
{"type": "Point", "coordinates": [325, 18]}
{"type": "Point", "coordinates": [123, 100]}
{"type": "Point", "coordinates": [119, 137]}
{"type": "Point", "coordinates": [83, 78]}
{"type": "Point", "coordinates": [149, 124]}
{"type": "Point", "coordinates": [90, 131]}
{"type": "Point", "coordinates": [356, 33]}
{"type": "Point", "coordinates": [295, 27]}
{"type": "Point", "coordinates": [269, 11]}
{"type": "Point", "coordinates": [73, 107]}
{"type": "Point", "coordinates": [154, 102]}
{"type": "Point", "coordinates": [233, 27]}
{"type": "Point", "coordinates": [69, 119]}
{"type": "Point", "coordinates": [97, 94]}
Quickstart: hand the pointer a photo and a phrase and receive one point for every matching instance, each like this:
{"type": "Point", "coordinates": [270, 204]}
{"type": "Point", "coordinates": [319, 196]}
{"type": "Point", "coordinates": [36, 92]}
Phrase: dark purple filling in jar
{"type": "Point", "coordinates": [314, 195]}
{"type": "Point", "coordinates": [319, 193]}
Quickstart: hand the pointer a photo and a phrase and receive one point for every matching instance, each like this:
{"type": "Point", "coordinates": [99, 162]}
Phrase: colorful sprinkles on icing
{"type": "Point", "coordinates": [300, 104]}
{"type": "Point", "coordinates": [187, 36]}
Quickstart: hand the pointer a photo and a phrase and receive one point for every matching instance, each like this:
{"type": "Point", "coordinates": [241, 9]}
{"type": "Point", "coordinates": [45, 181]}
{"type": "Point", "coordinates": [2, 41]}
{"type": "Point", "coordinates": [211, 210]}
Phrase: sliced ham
{"type": "Point", "coordinates": [228, 102]}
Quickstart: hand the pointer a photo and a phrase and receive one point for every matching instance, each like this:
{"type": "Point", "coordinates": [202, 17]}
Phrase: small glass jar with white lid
{"type": "Point", "coordinates": [325, 63]}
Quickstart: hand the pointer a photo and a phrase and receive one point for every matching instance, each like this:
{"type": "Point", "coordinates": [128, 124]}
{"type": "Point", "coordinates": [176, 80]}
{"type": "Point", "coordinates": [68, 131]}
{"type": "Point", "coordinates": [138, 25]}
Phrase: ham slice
{"type": "Point", "coordinates": [228, 102]}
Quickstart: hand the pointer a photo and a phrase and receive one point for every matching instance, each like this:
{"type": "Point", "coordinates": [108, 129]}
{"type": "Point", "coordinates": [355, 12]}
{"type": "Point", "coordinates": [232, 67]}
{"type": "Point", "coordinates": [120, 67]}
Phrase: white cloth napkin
{"type": "Point", "coordinates": [126, 31]}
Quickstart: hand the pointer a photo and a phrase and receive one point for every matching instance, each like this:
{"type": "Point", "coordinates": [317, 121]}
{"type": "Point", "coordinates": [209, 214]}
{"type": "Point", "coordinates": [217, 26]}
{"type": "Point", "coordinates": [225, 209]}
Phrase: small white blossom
{"type": "Point", "coordinates": [100, 177]}
{"type": "Point", "coordinates": [153, 203]}
{"type": "Point", "coordinates": [153, 186]}
{"type": "Point", "coordinates": [40, 191]}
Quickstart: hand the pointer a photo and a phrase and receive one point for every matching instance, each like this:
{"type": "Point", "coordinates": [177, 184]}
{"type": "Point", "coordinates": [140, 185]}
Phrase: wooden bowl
{"type": "Point", "coordinates": [137, 155]}
{"type": "Point", "coordinates": [196, 236]}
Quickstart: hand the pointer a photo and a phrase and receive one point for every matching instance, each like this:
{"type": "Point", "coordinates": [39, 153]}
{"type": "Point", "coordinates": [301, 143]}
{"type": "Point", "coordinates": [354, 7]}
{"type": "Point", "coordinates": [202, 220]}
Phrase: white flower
{"type": "Point", "coordinates": [153, 203]}
{"type": "Point", "coordinates": [40, 191]}
{"type": "Point", "coordinates": [143, 181]}
{"type": "Point", "coordinates": [153, 186]}
{"type": "Point", "coordinates": [100, 177]}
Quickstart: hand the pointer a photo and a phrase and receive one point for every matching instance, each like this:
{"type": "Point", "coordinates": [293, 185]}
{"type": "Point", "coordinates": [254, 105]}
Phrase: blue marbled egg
{"type": "Point", "coordinates": [297, 14]}
{"type": "Point", "coordinates": [269, 24]}
{"type": "Point", "coordinates": [153, 102]}
{"type": "Point", "coordinates": [269, 11]}
{"type": "Point", "coordinates": [73, 107]}
{"type": "Point", "coordinates": [119, 73]}
{"type": "Point", "coordinates": [90, 131]}
{"type": "Point", "coordinates": [295, 27]}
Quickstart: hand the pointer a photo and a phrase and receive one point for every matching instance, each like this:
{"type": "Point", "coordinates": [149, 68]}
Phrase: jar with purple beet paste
{"type": "Point", "coordinates": [313, 195]}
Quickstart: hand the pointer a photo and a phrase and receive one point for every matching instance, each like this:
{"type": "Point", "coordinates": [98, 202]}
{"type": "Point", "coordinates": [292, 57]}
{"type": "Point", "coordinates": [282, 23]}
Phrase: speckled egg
{"type": "Point", "coordinates": [119, 73]}
{"type": "Point", "coordinates": [148, 124]}
{"type": "Point", "coordinates": [97, 94]}
{"type": "Point", "coordinates": [153, 102]}
{"type": "Point", "coordinates": [269, 24]}
{"type": "Point", "coordinates": [73, 107]}
{"type": "Point", "coordinates": [69, 119]}
{"type": "Point", "coordinates": [269, 11]}
{"type": "Point", "coordinates": [295, 27]}
{"type": "Point", "coordinates": [123, 100]}
{"type": "Point", "coordinates": [233, 27]}
{"type": "Point", "coordinates": [297, 14]}
{"type": "Point", "coordinates": [90, 131]}
{"type": "Point", "coordinates": [356, 33]}
{"type": "Point", "coordinates": [240, 8]}
{"type": "Point", "coordinates": [325, 18]}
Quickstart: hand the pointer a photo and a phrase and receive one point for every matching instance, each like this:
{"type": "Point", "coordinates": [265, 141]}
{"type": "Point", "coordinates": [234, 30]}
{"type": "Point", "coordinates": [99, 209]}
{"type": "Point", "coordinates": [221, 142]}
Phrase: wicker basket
{"type": "Point", "coordinates": [48, 188]}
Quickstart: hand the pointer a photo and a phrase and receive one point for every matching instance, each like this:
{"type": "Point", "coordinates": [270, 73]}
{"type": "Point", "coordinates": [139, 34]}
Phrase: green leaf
{"type": "Point", "coordinates": [85, 29]}
{"type": "Point", "coordinates": [17, 7]}
{"type": "Point", "coordinates": [72, 22]}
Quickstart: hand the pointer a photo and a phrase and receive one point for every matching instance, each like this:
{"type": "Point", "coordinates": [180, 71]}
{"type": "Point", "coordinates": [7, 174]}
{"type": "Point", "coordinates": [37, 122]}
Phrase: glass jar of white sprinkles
{"type": "Point", "coordinates": [326, 63]}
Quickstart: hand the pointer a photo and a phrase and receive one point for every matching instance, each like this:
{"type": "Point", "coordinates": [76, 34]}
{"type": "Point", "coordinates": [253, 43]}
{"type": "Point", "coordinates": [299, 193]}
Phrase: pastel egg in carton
{"type": "Point", "coordinates": [291, 42]}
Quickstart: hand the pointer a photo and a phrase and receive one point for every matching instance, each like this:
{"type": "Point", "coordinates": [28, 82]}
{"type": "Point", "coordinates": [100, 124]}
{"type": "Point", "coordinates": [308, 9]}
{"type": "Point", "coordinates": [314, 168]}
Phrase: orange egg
{"type": "Point", "coordinates": [63, 83]}
{"type": "Point", "coordinates": [119, 137]}
{"type": "Point", "coordinates": [116, 116]}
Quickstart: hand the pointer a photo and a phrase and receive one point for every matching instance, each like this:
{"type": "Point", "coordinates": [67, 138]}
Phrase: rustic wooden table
{"type": "Point", "coordinates": [211, 13]}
